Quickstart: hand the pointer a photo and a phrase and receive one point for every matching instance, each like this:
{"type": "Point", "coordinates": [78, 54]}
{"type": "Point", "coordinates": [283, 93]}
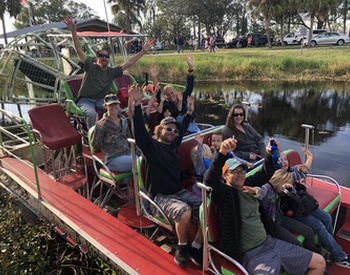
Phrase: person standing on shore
{"type": "Point", "coordinates": [98, 77]}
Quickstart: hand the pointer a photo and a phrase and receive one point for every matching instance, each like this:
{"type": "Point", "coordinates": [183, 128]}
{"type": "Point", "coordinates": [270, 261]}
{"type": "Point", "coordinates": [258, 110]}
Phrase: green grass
{"type": "Point", "coordinates": [257, 64]}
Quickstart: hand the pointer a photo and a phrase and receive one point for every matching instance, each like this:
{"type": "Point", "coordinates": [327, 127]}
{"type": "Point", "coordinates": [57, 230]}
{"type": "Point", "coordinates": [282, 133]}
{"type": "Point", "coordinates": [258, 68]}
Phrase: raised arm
{"type": "Point", "coordinates": [72, 26]}
{"type": "Point", "coordinates": [145, 48]}
{"type": "Point", "coordinates": [152, 100]}
{"type": "Point", "coordinates": [309, 158]}
{"type": "Point", "coordinates": [142, 137]}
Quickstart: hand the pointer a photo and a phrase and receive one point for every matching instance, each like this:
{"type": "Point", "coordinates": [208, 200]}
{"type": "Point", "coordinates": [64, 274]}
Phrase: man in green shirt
{"type": "Point", "coordinates": [98, 77]}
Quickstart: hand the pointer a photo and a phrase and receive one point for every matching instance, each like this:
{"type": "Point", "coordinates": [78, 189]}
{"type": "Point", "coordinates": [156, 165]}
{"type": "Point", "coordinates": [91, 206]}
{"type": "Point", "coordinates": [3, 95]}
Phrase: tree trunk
{"type": "Point", "coordinates": [4, 28]}
{"type": "Point", "coordinates": [267, 29]}
{"type": "Point", "coordinates": [312, 20]}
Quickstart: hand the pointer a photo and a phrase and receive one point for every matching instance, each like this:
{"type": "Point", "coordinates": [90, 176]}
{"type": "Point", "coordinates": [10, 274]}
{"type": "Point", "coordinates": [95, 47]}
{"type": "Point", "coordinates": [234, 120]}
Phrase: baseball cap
{"type": "Point", "coordinates": [232, 164]}
{"type": "Point", "coordinates": [111, 98]}
{"type": "Point", "coordinates": [169, 120]}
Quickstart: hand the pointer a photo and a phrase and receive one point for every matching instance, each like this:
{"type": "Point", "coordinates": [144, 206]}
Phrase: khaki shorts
{"type": "Point", "coordinates": [175, 205]}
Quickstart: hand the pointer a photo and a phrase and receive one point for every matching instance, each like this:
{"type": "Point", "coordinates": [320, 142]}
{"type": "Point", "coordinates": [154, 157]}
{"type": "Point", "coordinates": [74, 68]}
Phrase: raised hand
{"type": "Point", "coordinates": [306, 152]}
{"type": "Point", "coordinates": [162, 97]}
{"type": "Point", "coordinates": [153, 71]}
{"type": "Point", "coordinates": [148, 44]}
{"type": "Point", "coordinates": [190, 104]}
{"type": "Point", "coordinates": [136, 93]}
{"type": "Point", "coordinates": [71, 24]}
{"type": "Point", "coordinates": [99, 123]}
{"type": "Point", "coordinates": [199, 138]}
{"type": "Point", "coordinates": [189, 61]}
{"type": "Point", "coordinates": [227, 146]}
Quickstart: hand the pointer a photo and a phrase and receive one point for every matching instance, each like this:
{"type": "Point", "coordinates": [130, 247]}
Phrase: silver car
{"type": "Point", "coordinates": [335, 38]}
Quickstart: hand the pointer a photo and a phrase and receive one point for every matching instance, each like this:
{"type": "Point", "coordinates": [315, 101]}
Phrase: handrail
{"type": "Point", "coordinates": [332, 181]}
{"type": "Point", "coordinates": [21, 123]}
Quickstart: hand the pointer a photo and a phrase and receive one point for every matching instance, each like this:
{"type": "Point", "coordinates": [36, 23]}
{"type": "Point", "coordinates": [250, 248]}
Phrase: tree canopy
{"type": "Point", "coordinates": [49, 11]}
{"type": "Point", "coordinates": [165, 19]}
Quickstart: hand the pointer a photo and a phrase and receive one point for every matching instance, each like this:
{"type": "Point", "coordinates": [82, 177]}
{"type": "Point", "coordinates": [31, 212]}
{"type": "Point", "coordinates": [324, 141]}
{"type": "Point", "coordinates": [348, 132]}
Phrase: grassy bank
{"type": "Point", "coordinates": [253, 64]}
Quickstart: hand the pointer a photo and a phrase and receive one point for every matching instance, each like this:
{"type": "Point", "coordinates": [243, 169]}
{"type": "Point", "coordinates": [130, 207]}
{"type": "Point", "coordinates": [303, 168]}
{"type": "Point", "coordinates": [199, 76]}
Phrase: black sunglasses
{"type": "Point", "coordinates": [169, 129]}
{"type": "Point", "coordinates": [111, 98]}
{"type": "Point", "coordinates": [103, 55]}
{"type": "Point", "coordinates": [239, 114]}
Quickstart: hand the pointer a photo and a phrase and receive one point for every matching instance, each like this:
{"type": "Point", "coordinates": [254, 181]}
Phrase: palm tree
{"type": "Point", "coordinates": [127, 12]}
{"type": "Point", "coordinates": [13, 7]}
{"type": "Point", "coordinates": [268, 9]}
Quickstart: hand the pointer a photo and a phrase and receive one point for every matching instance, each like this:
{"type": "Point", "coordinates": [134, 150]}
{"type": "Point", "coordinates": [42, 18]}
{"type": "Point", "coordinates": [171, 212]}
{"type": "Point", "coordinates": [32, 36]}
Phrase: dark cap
{"type": "Point", "coordinates": [169, 120]}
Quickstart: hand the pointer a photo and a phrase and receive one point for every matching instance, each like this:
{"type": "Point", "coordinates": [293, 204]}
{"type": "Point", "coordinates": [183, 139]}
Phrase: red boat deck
{"type": "Point", "coordinates": [129, 249]}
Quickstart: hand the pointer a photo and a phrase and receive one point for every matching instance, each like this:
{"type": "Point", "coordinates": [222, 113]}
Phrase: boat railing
{"type": "Point", "coordinates": [16, 140]}
{"type": "Point", "coordinates": [330, 181]}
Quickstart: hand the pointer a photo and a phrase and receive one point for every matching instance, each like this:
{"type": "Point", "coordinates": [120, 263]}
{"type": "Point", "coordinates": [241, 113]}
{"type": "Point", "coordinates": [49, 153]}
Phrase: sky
{"type": "Point", "coordinates": [97, 5]}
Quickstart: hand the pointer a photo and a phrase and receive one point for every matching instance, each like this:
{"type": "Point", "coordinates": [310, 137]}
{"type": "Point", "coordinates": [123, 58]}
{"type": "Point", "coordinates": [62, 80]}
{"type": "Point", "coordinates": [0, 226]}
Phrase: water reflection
{"type": "Point", "coordinates": [280, 109]}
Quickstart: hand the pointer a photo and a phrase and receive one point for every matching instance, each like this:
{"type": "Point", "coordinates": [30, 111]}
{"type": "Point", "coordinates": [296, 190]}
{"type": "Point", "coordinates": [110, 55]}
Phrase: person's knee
{"type": "Point", "coordinates": [186, 216]}
{"type": "Point", "coordinates": [317, 263]}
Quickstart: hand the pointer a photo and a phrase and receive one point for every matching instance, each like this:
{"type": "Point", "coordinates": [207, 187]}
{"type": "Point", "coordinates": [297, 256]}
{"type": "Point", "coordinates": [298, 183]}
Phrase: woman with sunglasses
{"type": "Point", "coordinates": [250, 144]}
{"type": "Point", "coordinates": [110, 136]}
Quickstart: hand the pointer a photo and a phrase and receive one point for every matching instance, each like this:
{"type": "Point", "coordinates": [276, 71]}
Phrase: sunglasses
{"type": "Point", "coordinates": [169, 129]}
{"type": "Point", "coordinates": [239, 114]}
{"type": "Point", "coordinates": [111, 98]}
{"type": "Point", "coordinates": [238, 172]}
{"type": "Point", "coordinates": [103, 55]}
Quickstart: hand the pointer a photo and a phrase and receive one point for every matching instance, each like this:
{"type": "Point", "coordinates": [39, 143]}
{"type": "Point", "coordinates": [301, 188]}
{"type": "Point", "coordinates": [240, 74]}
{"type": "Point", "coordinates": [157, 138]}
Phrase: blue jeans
{"type": "Point", "coordinates": [321, 223]}
{"type": "Point", "coordinates": [89, 107]}
{"type": "Point", "coordinates": [120, 164]}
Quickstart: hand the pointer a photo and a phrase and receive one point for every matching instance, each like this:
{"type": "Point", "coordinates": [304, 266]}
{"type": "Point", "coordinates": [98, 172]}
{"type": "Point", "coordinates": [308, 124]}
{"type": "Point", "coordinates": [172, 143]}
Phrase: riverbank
{"type": "Point", "coordinates": [28, 245]}
{"type": "Point", "coordinates": [288, 64]}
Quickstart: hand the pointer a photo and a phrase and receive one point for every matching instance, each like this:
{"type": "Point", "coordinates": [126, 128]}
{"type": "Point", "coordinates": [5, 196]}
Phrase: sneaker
{"type": "Point", "coordinates": [196, 256]}
{"type": "Point", "coordinates": [344, 263]}
{"type": "Point", "coordinates": [181, 255]}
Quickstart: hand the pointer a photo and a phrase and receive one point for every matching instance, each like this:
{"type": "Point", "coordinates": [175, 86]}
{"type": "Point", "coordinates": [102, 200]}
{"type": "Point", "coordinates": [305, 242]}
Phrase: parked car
{"type": "Point", "coordinates": [334, 38]}
{"type": "Point", "coordinates": [293, 38]}
{"type": "Point", "coordinates": [158, 46]}
{"type": "Point", "coordinates": [220, 43]}
{"type": "Point", "coordinates": [259, 39]}
{"type": "Point", "coordinates": [317, 32]}
{"type": "Point", "coordinates": [237, 42]}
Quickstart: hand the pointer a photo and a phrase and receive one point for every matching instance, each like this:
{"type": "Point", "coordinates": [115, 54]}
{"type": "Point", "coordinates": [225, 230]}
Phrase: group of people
{"type": "Point", "coordinates": [252, 230]}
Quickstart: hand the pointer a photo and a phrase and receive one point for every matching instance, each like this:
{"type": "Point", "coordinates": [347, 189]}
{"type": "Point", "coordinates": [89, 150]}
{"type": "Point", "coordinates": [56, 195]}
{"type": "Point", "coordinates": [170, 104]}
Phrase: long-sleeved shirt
{"type": "Point", "coordinates": [162, 161]}
{"type": "Point", "coordinates": [253, 144]}
{"type": "Point", "coordinates": [171, 106]}
{"type": "Point", "coordinates": [111, 139]}
{"type": "Point", "coordinates": [228, 202]}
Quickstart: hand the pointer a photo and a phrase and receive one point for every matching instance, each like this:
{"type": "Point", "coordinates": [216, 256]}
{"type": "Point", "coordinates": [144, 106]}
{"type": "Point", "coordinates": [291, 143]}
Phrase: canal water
{"type": "Point", "coordinates": [279, 110]}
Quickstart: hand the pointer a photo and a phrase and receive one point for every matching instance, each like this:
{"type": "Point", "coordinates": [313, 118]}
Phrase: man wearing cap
{"type": "Point", "coordinates": [245, 230]}
{"type": "Point", "coordinates": [98, 77]}
{"type": "Point", "coordinates": [110, 136]}
{"type": "Point", "coordinates": [162, 166]}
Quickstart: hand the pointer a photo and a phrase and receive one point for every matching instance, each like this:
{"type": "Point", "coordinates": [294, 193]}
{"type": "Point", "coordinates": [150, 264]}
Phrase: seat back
{"type": "Point", "coordinates": [122, 85]}
{"type": "Point", "coordinates": [54, 126]}
{"type": "Point", "coordinates": [214, 260]}
{"type": "Point", "coordinates": [58, 137]}
{"type": "Point", "coordinates": [293, 157]}
{"type": "Point", "coordinates": [71, 88]}
{"type": "Point", "coordinates": [187, 169]}
{"type": "Point", "coordinates": [150, 208]}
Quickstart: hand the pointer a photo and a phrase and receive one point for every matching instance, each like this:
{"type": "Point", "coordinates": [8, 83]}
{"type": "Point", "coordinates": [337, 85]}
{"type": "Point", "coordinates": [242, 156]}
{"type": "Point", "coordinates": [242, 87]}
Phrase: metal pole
{"type": "Point", "coordinates": [307, 133]}
{"type": "Point", "coordinates": [110, 38]}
